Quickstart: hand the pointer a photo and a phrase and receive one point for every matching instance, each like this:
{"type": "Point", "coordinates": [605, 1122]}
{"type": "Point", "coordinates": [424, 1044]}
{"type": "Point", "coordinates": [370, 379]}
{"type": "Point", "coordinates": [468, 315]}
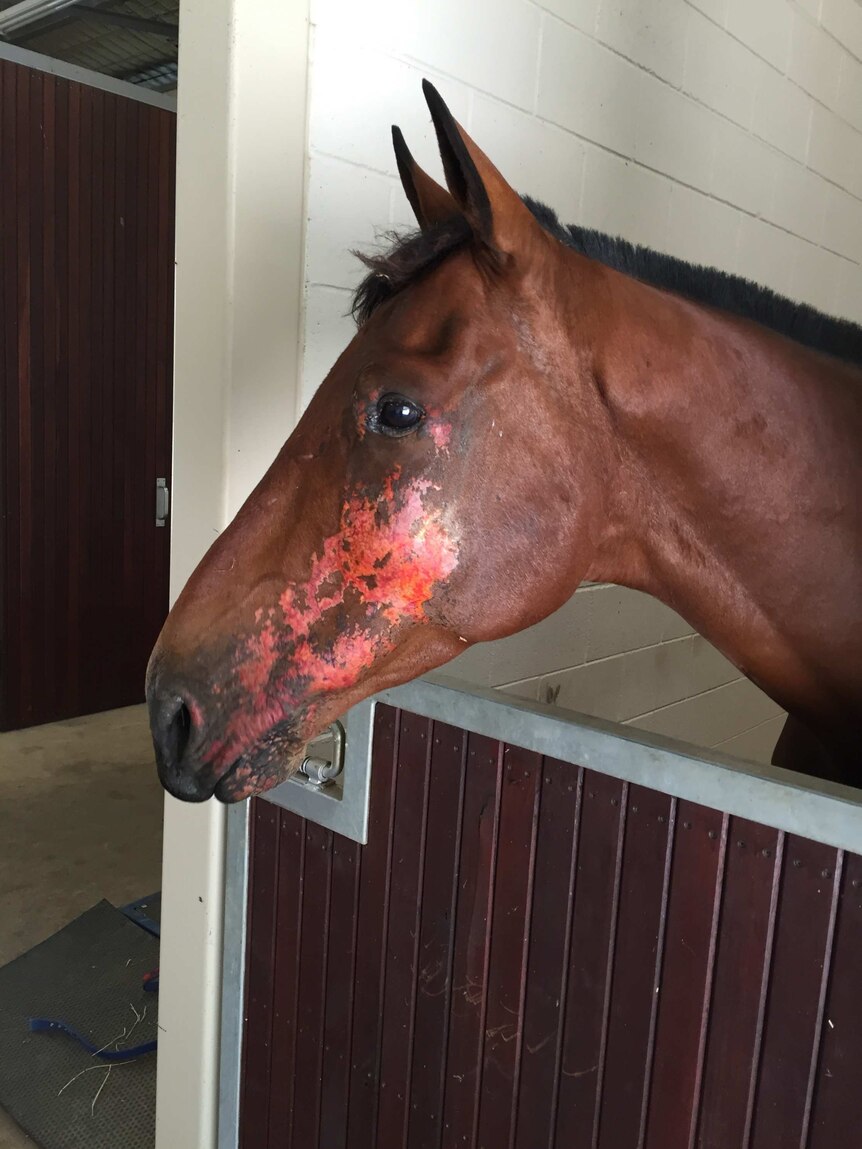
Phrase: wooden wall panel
{"type": "Point", "coordinates": [86, 307]}
{"type": "Point", "coordinates": [528, 954]}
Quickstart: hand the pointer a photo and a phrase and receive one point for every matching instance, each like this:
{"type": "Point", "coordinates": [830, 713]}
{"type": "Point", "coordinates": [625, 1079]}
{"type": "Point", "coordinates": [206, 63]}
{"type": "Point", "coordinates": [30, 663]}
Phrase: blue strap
{"type": "Point", "coordinates": [44, 1024]}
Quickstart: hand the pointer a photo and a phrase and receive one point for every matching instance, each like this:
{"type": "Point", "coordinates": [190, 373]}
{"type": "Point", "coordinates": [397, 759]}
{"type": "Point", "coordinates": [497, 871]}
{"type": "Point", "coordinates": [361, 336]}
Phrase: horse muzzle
{"type": "Point", "coordinates": [178, 741]}
{"type": "Point", "coordinates": [217, 749]}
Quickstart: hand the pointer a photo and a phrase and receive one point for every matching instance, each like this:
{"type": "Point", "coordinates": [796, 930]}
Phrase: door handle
{"type": "Point", "coordinates": [163, 502]}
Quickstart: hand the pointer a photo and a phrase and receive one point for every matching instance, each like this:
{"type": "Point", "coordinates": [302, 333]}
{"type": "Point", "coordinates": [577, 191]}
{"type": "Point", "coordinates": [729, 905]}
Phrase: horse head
{"type": "Point", "coordinates": [419, 506]}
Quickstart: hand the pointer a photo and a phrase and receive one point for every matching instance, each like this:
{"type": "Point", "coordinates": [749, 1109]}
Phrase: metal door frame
{"type": "Point", "coordinates": [795, 803]}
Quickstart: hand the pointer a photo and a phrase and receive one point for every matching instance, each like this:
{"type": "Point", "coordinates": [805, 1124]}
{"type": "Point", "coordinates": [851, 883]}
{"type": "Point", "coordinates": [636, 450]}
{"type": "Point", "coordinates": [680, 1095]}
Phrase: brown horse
{"type": "Point", "coordinates": [511, 418]}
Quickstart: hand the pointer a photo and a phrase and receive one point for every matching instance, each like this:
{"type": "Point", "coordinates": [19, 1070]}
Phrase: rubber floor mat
{"type": "Point", "coordinates": [88, 975]}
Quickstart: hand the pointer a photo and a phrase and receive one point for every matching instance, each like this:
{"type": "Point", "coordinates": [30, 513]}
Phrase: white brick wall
{"type": "Point", "coordinates": [727, 132]}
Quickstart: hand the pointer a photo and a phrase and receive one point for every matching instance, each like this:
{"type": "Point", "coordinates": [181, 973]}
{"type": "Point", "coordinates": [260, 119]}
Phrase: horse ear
{"type": "Point", "coordinates": [493, 208]}
{"type": "Point", "coordinates": [431, 203]}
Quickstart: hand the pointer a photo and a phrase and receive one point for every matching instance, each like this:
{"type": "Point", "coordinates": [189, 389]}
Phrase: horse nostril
{"type": "Point", "coordinates": [172, 730]}
{"type": "Point", "coordinates": [178, 729]}
{"type": "Point", "coordinates": [183, 727]}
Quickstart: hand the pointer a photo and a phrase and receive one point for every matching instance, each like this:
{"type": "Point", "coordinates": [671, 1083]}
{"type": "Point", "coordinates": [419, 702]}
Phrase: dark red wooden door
{"type": "Point", "coordinates": [86, 300]}
{"type": "Point", "coordinates": [533, 956]}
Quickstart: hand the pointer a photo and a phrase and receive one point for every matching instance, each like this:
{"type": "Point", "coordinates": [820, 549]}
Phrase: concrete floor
{"type": "Point", "coordinates": [80, 820]}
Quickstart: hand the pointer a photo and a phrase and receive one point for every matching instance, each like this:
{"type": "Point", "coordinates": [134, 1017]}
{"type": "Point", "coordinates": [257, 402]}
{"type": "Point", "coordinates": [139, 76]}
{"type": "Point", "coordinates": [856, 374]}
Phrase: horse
{"type": "Point", "coordinates": [524, 407]}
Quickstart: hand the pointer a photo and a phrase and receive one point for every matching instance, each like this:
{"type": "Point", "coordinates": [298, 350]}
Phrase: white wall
{"type": "Point", "coordinates": [723, 131]}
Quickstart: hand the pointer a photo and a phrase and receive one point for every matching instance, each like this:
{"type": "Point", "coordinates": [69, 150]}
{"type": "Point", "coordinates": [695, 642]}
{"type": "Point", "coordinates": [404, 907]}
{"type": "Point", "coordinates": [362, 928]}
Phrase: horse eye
{"type": "Point", "coordinates": [396, 415]}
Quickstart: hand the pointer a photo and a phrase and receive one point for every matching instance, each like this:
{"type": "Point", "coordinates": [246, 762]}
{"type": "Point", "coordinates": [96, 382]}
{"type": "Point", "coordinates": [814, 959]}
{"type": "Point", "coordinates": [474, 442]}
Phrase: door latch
{"type": "Point", "coordinates": [324, 759]}
{"type": "Point", "coordinates": [332, 786]}
{"type": "Point", "coordinates": [163, 502]}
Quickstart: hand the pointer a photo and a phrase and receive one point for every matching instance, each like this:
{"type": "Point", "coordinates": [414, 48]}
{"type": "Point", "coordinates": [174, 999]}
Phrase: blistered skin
{"type": "Point", "coordinates": [372, 578]}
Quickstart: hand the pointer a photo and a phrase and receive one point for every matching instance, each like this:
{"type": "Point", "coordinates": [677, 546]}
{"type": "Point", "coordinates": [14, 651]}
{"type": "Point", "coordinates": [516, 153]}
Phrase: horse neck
{"type": "Point", "coordinates": [720, 430]}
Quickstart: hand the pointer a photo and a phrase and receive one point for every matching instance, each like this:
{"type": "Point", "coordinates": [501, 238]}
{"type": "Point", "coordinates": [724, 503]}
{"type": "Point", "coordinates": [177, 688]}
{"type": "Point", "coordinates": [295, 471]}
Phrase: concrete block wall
{"type": "Point", "coordinates": [727, 132]}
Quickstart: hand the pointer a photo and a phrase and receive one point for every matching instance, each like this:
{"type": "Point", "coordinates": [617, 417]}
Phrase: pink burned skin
{"type": "Point", "coordinates": [440, 430]}
{"type": "Point", "coordinates": [388, 556]}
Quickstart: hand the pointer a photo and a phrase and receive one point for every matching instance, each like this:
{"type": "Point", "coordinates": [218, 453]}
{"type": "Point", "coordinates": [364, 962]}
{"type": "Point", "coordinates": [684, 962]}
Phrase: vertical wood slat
{"type": "Point", "coordinates": [510, 928]}
{"type": "Point", "coordinates": [471, 942]}
{"type": "Point", "coordinates": [837, 1110]}
{"type": "Point", "coordinates": [546, 989]}
{"type": "Point", "coordinates": [36, 589]}
{"type": "Point", "coordinates": [22, 653]}
{"type": "Point", "coordinates": [81, 602]}
{"type": "Point", "coordinates": [593, 926]}
{"type": "Point", "coordinates": [9, 463]}
{"type": "Point", "coordinates": [685, 985]}
{"type": "Point", "coordinates": [48, 391]}
{"type": "Point", "coordinates": [436, 935]}
{"type": "Point", "coordinates": [260, 974]}
{"type": "Point", "coordinates": [737, 1001]}
{"type": "Point", "coordinates": [285, 990]}
{"type": "Point", "coordinates": [95, 415]}
{"type": "Point", "coordinates": [61, 359]}
{"type": "Point", "coordinates": [634, 984]}
{"type": "Point", "coordinates": [77, 223]}
{"type": "Point", "coordinates": [121, 385]}
{"type": "Point", "coordinates": [375, 870]}
{"type": "Point", "coordinates": [507, 927]}
{"type": "Point", "coordinates": [141, 366]}
{"type": "Point", "coordinates": [158, 600]}
{"type": "Point", "coordinates": [402, 944]}
{"type": "Point", "coordinates": [313, 944]}
{"type": "Point", "coordinates": [340, 1001]}
{"type": "Point", "coordinates": [793, 1007]}
{"type": "Point", "coordinates": [150, 318]}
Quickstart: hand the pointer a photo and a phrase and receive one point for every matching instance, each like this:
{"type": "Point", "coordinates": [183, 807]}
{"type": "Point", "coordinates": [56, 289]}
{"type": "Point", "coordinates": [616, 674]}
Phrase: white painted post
{"type": "Point", "coordinates": [240, 224]}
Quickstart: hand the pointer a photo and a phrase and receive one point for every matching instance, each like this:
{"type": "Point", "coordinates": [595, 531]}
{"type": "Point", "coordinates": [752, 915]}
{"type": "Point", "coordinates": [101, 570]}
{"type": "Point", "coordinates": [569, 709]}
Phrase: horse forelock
{"type": "Point", "coordinates": [409, 256]}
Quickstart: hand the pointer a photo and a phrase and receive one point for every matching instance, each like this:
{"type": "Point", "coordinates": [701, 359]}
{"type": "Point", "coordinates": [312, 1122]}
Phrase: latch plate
{"type": "Point", "coordinates": [340, 801]}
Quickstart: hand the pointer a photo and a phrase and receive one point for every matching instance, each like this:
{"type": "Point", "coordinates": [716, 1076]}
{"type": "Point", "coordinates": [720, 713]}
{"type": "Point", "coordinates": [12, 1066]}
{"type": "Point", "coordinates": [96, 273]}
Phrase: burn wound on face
{"type": "Point", "coordinates": [377, 572]}
{"type": "Point", "coordinates": [441, 433]}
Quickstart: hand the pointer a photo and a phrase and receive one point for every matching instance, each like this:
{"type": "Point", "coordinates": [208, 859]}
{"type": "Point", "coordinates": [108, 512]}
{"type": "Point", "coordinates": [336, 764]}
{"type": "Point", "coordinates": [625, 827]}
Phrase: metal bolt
{"type": "Point", "coordinates": [856, 883]}
{"type": "Point", "coordinates": [741, 844]}
{"type": "Point", "coordinates": [826, 873]}
{"type": "Point", "coordinates": [686, 825]}
{"type": "Point", "coordinates": [634, 809]}
{"type": "Point", "coordinates": [712, 834]}
{"type": "Point", "coordinates": [615, 802]}
{"type": "Point", "coordinates": [797, 863]}
{"type": "Point", "coordinates": [661, 817]}
{"type": "Point", "coordinates": [766, 853]}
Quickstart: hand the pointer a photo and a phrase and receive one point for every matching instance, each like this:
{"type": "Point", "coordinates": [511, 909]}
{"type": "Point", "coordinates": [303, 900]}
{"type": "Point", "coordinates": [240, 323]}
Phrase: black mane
{"type": "Point", "coordinates": [414, 253]}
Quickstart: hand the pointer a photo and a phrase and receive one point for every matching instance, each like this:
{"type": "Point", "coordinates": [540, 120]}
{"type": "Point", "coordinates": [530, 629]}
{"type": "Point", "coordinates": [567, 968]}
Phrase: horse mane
{"type": "Point", "coordinates": [414, 253]}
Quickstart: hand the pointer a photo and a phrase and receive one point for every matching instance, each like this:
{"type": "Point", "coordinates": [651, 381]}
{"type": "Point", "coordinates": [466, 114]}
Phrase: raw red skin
{"type": "Point", "coordinates": [390, 553]}
{"type": "Point", "coordinates": [441, 433]}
